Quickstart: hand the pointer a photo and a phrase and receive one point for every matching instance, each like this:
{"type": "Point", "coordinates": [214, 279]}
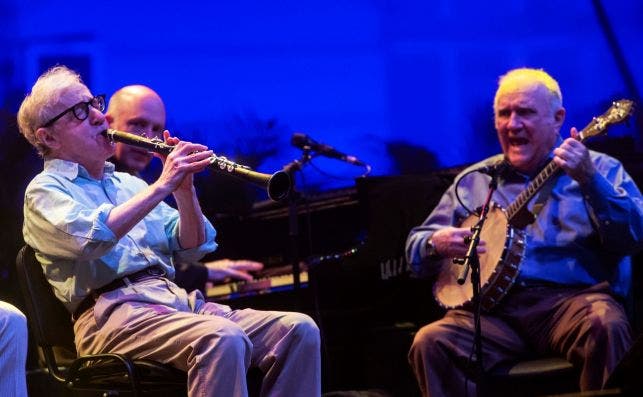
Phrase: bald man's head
{"type": "Point", "coordinates": [140, 110]}
{"type": "Point", "coordinates": [132, 96]}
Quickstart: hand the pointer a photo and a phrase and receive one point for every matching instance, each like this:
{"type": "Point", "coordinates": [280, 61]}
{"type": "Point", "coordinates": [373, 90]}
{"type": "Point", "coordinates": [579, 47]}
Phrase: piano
{"type": "Point", "coordinates": [272, 280]}
{"type": "Point", "coordinates": [365, 226]}
{"type": "Point", "coordinates": [355, 281]}
{"type": "Point", "coordinates": [263, 234]}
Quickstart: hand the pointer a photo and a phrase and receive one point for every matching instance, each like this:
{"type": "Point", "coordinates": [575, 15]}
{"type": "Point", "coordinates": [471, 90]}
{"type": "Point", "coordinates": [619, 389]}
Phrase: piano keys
{"type": "Point", "coordinates": [269, 281]}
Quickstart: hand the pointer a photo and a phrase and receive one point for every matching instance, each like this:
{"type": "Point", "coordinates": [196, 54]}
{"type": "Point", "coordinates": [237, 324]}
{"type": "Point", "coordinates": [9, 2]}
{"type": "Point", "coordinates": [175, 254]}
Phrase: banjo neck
{"type": "Point", "coordinates": [520, 203]}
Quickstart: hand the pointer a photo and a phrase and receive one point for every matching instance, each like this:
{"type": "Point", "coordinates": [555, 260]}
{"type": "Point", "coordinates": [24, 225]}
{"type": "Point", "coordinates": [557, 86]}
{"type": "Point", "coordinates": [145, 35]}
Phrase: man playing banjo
{"type": "Point", "coordinates": [573, 268]}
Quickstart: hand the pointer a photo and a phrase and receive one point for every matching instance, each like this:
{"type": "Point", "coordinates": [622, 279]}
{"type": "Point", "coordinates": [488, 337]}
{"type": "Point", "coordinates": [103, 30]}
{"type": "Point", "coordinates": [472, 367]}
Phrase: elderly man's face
{"type": "Point", "coordinates": [527, 126]}
{"type": "Point", "coordinates": [77, 140]}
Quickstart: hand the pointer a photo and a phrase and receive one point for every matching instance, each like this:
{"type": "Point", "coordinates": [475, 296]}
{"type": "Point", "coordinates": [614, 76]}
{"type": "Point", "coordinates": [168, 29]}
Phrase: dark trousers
{"type": "Point", "coordinates": [588, 326]}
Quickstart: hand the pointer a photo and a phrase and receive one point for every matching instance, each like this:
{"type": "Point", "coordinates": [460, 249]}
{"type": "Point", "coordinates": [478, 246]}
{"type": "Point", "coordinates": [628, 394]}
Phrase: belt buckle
{"type": "Point", "coordinates": [155, 271]}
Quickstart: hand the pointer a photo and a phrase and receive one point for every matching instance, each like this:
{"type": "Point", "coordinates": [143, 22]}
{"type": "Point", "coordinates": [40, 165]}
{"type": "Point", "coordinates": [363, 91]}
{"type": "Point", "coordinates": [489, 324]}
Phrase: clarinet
{"type": "Point", "coordinates": [277, 185]}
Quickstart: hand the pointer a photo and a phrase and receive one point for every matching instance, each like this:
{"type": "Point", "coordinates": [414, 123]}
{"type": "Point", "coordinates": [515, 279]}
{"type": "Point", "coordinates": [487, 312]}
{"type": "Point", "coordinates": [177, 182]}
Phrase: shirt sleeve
{"type": "Point", "coordinates": [615, 206]}
{"type": "Point", "coordinates": [65, 227]}
{"type": "Point", "coordinates": [416, 243]}
{"type": "Point", "coordinates": [181, 255]}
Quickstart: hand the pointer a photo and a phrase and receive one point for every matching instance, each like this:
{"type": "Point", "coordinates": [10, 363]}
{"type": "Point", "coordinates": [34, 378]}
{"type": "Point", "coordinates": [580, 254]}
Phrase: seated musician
{"type": "Point", "coordinates": [139, 109]}
{"type": "Point", "coordinates": [567, 298]}
{"type": "Point", "coordinates": [107, 242]}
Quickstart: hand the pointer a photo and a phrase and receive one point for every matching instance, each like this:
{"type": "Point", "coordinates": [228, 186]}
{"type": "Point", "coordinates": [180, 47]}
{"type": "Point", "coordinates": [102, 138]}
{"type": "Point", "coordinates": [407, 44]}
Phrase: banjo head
{"type": "Point", "coordinates": [498, 267]}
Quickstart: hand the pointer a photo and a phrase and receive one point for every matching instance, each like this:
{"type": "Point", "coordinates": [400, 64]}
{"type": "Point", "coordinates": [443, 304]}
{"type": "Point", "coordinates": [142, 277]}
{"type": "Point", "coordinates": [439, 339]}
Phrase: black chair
{"type": "Point", "coordinates": [100, 374]}
{"type": "Point", "coordinates": [549, 375]}
{"type": "Point", "coordinates": [533, 377]}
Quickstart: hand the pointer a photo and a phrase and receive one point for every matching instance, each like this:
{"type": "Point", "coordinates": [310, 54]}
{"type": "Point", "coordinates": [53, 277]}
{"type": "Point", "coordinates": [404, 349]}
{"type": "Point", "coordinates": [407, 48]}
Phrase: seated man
{"type": "Point", "coordinates": [107, 243]}
{"type": "Point", "coordinates": [13, 349]}
{"type": "Point", "coordinates": [140, 110]}
{"type": "Point", "coordinates": [575, 269]}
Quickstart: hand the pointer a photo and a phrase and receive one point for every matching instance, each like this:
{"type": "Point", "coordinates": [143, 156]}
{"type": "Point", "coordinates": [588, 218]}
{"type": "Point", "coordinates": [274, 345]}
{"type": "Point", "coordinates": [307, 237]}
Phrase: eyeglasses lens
{"type": "Point", "coordinates": [81, 110]}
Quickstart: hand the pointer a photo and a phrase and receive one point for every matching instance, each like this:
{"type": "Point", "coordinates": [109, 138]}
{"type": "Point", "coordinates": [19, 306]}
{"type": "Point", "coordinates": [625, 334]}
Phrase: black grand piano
{"type": "Point", "coordinates": [354, 279]}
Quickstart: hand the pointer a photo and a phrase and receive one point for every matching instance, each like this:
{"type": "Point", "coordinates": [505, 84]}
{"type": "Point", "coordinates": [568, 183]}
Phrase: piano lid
{"type": "Point", "coordinates": [328, 222]}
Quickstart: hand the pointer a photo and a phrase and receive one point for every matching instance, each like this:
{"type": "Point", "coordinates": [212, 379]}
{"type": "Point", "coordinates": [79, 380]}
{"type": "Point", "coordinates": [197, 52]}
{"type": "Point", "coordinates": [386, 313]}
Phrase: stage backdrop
{"type": "Point", "coordinates": [405, 86]}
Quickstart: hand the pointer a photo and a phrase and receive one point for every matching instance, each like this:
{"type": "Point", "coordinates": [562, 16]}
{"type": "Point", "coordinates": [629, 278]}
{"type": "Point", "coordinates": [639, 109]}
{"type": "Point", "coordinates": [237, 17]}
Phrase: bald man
{"type": "Point", "coordinates": [140, 110]}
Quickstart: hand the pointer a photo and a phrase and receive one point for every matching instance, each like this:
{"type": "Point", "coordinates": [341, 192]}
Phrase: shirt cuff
{"type": "Point", "coordinates": [196, 253]}
{"type": "Point", "coordinates": [100, 231]}
{"type": "Point", "coordinates": [597, 193]}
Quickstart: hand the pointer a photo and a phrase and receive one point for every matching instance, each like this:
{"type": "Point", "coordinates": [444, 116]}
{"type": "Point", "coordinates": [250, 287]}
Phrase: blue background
{"type": "Point", "coordinates": [406, 86]}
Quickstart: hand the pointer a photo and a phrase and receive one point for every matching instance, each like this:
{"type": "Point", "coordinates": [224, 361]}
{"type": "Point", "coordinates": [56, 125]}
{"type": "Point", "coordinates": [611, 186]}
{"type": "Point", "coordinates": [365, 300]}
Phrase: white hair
{"type": "Point", "coordinates": [38, 106]}
{"type": "Point", "coordinates": [527, 77]}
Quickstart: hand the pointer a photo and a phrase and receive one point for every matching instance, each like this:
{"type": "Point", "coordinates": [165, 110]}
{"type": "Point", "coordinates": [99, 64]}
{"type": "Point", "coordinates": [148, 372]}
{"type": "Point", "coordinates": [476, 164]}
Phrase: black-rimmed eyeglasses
{"type": "Point", "coordinates": [81, 109]}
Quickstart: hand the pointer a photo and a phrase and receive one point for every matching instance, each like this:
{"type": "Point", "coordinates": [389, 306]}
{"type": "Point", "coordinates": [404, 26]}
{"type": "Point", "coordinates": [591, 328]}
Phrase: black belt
{"type": "Point", "coordinates": [89, 301]}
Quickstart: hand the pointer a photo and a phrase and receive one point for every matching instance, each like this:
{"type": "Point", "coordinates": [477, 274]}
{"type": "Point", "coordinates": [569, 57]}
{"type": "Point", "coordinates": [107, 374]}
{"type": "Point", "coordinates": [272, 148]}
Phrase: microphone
{"type": "Point", "coordinates": [493, 169]}
{"type": "Point", "coordinates": [303, 141]}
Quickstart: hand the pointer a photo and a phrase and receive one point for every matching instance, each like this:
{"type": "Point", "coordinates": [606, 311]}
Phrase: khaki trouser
{"type": "Point", "coordinates": [157, 320]}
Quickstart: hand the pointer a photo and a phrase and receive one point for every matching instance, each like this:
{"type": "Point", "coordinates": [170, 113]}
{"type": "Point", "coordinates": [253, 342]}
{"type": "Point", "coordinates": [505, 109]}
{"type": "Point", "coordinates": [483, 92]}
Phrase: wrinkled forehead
{"type": "Point", "coordinates": [50, 98]}
{"type": "Point", "coordinates": [71, 95]}
{"type": "Point", "coordinates": [523, 95]}
{"type": "Point", "coordinates": [525, 92]}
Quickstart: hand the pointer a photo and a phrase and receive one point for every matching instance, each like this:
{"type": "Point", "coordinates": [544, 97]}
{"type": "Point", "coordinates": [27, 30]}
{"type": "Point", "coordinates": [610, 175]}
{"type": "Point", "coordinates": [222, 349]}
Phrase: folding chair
{"type": "Point", "coordinates": [101, 374]}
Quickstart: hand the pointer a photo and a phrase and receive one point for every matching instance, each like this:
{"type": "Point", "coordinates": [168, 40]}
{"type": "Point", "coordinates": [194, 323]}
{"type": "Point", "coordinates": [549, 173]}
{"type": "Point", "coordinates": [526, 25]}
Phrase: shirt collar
{"type": "Point", "coordinates": [72, 170]}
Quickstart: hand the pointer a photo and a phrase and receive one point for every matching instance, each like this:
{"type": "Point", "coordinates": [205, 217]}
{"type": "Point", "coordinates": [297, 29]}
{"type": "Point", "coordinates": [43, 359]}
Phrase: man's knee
{"type": "Point", "coordinates": [303, 327]}
{"type": "Point", "coordinates": [226, 340]}
{"type": "Point", "coordinates": [426, 338]}
{"type": "Point", "coordinates": [606, 320]}
{"type": "Point", "coordinates": [233, 335]}
{"type": "Point", "coordinates": [12, 321]}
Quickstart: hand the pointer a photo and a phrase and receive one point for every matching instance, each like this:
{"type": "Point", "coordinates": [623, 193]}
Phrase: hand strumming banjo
{"type": "Point", "coordinates": [505, 235]}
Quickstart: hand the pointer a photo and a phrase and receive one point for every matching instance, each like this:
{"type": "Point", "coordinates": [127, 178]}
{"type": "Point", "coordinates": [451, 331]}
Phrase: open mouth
{"type": "Point", "coordinates": [518, 141]}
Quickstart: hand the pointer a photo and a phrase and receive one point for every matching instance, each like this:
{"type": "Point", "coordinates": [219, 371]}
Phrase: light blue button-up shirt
{"type": "Point", "coordinates": [582, 236]}
{"type": "Point", "coordinates": [65, 211]}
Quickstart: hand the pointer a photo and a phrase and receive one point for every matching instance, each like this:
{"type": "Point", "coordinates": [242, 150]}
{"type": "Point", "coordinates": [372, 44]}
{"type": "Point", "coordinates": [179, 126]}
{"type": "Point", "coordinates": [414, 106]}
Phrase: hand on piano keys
{"type": "Point", "coordinates": [269, 280]}
{"type": "Point", "coordinates": [238, 269]}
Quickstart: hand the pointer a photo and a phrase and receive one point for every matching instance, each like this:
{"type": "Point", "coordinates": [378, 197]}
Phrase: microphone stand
{"type": "Point", "coordinates": [293, 222]}
{"type": "Point", "coordinates": [472, 262]}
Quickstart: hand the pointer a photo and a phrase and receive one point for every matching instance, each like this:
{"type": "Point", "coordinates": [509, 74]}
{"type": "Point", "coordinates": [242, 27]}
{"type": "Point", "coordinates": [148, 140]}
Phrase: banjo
{"type": "Point", "coordinates": [505, 235]}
